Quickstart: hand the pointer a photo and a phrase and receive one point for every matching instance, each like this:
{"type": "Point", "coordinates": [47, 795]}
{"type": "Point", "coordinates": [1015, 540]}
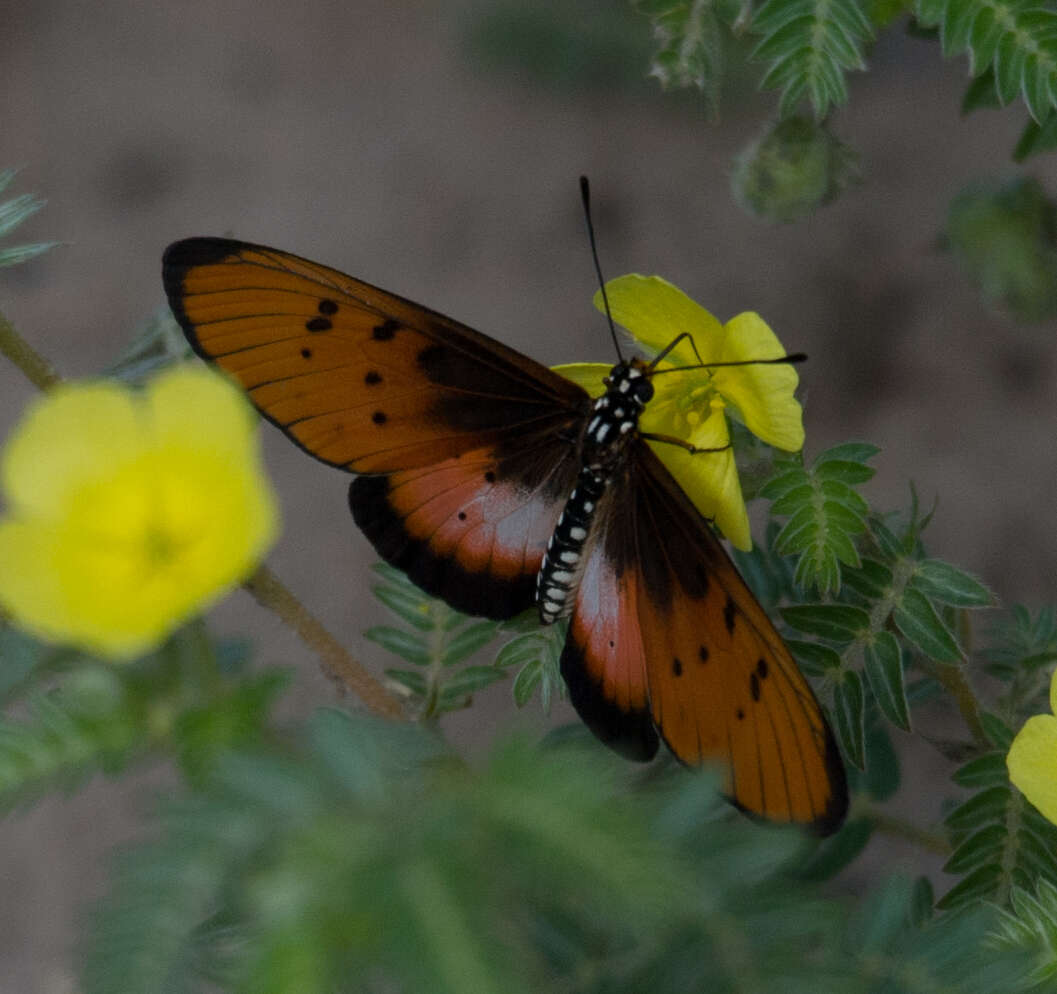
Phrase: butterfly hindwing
{"type": "Point", "coordinates": [470, 445]}
{"type": "Point", "coordinates": [720, 684]}
{"type": "Point", "coordinates": [471, 529]}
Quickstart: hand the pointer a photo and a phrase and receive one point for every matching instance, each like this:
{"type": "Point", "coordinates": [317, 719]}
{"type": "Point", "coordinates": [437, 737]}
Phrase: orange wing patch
{"type": "Point", "coordinates": [360, 378]}
{"type": "Point", "coordinates": [603, 661]}
{"type": "Point", "coordinates": [471, 529]}
{"type": "Point", "coordinates": [722, 684]}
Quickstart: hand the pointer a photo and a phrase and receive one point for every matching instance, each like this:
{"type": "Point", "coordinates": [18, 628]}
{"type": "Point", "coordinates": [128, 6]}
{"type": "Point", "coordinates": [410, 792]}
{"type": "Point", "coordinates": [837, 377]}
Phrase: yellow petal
{"type": "Point", "coordinates": [1032, 763]}
{"type": "Point", "coordinates": [588, 375]}
{"type": "Point", "coordinates": [763, 395]}
{"type": "Point", "coordinates": [68, 438]}
{"type": "Point", "coordinates": [710, 479]}
{"type": "Point", "coordinates": [655, 312]}
{"type": "Point", "coordinates": [192, 403]}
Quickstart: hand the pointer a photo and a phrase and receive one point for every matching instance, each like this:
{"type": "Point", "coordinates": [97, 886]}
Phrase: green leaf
{"type": "Point", "coordinates": [838, 851]}
{"type": "Point", "coordinates": [466, 683]}
{"type": "Point", "coordinates": [858, 452]}
{"type": "Point", "coordinates": [837, 622]}
{"type": "Point", "coordinates": [1015, 40]}
{"type": "Point", "coordinates": [997, 730]}
{"type": "Point", "coordinates": [974, 888]}
{"type": "Point", "coordinates": [848, 714]}
{"type": "Point", "coordinates": [411, 605]}
{"type": "Point", "coordinates": [810, 46]}
{"type": "Point", "coordinates": [814, 659]}
{"type": "Point", "coordinates": [883, 666]}
{"type": "Point", "coordinates": [1037, 137]}
{"type": "Point", "coordinates": [987, 806]}
{"type": "Point", "coordinates": [400, 643]}
{"type": "Point", "coordinates": [527, 680]}
{"type": "Point", "coordinates": [981, 91]}
{"type": "Point", "coordinates": [844, 471]}
{"type": "Point", "coordinates": [988, 770]}
{"type": "Point", "coordinates": [982, 847]}
{"type": "Point", "coordinates": [468, 641]}
{"type": "Point", "coordinates": [947, 584]}
{"type": "Point", "coordinates": [690, 39]}
{"type": "Point", "coordinates": [872, 580]}
{"type": "Point", "coordinates": [413, 680]}
{"type": "Point", "coordinates": [918, 621]}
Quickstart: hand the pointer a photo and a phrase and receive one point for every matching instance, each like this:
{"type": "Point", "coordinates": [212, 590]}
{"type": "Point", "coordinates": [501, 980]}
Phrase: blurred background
{"type": "Point", "coordinates": [434, 150]}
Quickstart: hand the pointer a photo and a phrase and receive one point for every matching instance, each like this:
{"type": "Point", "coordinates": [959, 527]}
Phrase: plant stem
{"type": "Point", "coordinates": [36, 368]}
{"type": "Point", "coordinates": [952, 678]}
{"type": "Point", "coordinates": [900, 829]}
{"type": "Point", "coordinates": [267, 589]}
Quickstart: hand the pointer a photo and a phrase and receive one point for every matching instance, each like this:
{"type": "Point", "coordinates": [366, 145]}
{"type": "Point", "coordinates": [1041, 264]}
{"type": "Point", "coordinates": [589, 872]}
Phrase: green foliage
{"type": "Point", "coordinates": [12, 213]}
{"type": "Point", "coordinates": [1000, 841]}
{"type": "Point", "coordinates": [810, 45]}
{"type": "Point", "coordinates": [1031, 924]}
{"type": "Point", "coordinates": [438, 641]}
{"type": "Point", "coordinates": [690, 37]}
{"type": "Point", "coordinates": [535, 652]}
{"type": "Point", "coordinates": [825, 512]}
{"type": "Point", "coordinates": [365, 857]}
{"type": "Point", "coordinates": [1015, 39]}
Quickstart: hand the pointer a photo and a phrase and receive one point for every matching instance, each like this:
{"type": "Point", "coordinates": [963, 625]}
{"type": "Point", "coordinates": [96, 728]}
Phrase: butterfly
{"type": "Point", "coordinates": [496, 484]}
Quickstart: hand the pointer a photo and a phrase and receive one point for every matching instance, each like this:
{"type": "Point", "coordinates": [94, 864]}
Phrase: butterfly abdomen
{"type": "Point", "coordinates": [611, 426]}
{"type": "Point", "coordinates": [562, 568]}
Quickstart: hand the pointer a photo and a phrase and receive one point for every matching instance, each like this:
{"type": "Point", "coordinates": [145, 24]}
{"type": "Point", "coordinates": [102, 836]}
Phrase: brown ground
{"type": "Point", "coordinates": [363, 134]}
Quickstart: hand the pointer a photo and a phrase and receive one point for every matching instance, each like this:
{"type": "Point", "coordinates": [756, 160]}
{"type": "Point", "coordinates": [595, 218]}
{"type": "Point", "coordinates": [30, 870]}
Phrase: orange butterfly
{"type": "Point", "coordinates": [496, 484]}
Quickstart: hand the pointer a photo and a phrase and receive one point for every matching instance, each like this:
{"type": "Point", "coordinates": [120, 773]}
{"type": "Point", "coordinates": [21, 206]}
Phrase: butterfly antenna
{"type": "Point", "coordinates": [585, 196]}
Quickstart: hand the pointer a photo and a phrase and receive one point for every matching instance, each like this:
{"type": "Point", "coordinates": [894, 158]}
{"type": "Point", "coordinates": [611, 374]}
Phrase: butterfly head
{"type": "Point", "coordinates": [629, 380]}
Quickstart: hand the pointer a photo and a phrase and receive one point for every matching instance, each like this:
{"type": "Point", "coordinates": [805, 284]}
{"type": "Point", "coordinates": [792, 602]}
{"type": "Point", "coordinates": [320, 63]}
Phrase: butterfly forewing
{"type": "Point", "coordinates": [360, 378]}
{"type": "Point", "coordinates": [722, 683]}
{"type": "Point", "coordinates": [472, 445]}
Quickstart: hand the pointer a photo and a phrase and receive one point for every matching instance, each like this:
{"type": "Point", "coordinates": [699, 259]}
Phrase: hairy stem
{"type": "Point", "coordinates": [36, 368]}
{"type": "Point", "coordinates": [270, 592]}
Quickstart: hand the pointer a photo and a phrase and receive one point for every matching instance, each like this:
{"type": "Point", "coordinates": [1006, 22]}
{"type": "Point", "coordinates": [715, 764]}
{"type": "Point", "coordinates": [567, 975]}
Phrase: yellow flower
{"type": "Point", "coordinates": [128, 512]}
{"type": "Point", "coordinates": [1032, 759]}
{"type": "Point", "coordinates": [694, 405]}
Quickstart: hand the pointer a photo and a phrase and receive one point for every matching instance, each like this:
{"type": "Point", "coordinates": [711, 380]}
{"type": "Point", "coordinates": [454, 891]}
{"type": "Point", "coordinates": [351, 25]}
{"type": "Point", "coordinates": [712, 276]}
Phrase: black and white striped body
{"type": "Point", "coordinates": [609, 431]}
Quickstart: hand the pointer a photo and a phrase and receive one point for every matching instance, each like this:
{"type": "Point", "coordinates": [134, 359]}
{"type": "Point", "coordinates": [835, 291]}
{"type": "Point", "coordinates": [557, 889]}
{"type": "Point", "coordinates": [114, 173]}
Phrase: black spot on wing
{"type": "Point", "coordinates": [677, 666]}
{"type": "Point", "coordinates": [379, 417]}
{"type": "Point", "coordinates": [761, 668]}
{"type": "Point", "coordinates": [318, 324]}
{"type": "Point", "coordinates": [328, 307]}
{"type": "Point", "coordinates": [702, 653]}
{"type": "Point", "coordinates": [373, 377]}
{"type": "Point", "coordinates": [730, 611]}
{"type": "Point", "coordinates": [385, 331]}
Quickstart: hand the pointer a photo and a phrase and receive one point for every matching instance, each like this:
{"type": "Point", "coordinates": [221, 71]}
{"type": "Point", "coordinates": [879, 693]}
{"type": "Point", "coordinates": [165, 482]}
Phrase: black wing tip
{"type": "Point", "coordinates": [631, 734]}
{"type": "Point", "coordinates": [182, 255]}
{"type": "Point", "coordinates": [836, 810]}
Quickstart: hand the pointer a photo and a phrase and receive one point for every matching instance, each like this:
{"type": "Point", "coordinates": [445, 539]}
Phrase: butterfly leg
{"type": "Point", "coordinates": [681, 442]}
